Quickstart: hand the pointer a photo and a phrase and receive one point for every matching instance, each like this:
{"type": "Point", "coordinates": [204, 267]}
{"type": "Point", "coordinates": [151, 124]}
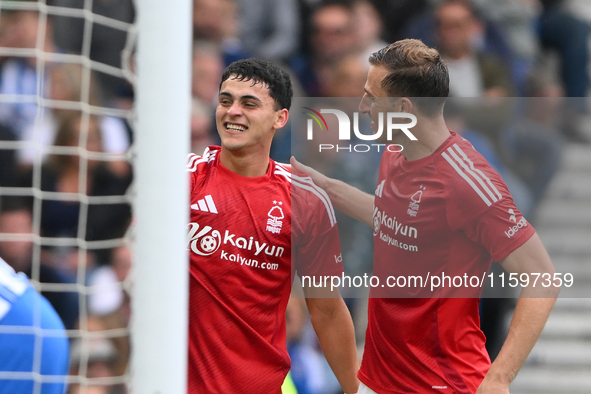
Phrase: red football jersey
{"type": "Point", "coordinates": [446, 214]}
{"type": "Point", "coordinates": [244, 234]}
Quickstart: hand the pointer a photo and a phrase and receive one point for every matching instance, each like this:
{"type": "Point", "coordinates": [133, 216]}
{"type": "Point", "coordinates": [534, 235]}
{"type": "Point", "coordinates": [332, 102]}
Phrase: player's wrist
{"type": "Point", "coordinates": [501, 378]}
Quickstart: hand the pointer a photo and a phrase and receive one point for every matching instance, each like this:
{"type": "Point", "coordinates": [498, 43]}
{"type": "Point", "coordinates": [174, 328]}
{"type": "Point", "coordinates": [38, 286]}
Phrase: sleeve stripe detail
{"type": "Point", "coordinates": [325, 199]}
{"type": "Point", "coordinates": [282, 167]}
{"type": "Point", "coordinates": [322, 196]}
{"type": "Point", "coordinates": [470, 182]}
{"type": "Point", "coordinates": [492, 186]}
{"type": "Point", "coordinates": [286, 174]}
{"type": "Point", "coordinates": [474, 175]}
{"type": "Point", "coordinates": [306, 183]}
{"type": "Point", "coordinates": [191, 159]}
{"type": "Point", "coordinates": [195, 160]}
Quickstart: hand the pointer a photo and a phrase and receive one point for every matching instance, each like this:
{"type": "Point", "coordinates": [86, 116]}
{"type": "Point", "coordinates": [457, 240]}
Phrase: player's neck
{"type": "Point", "coordinates": [245, 164]}
{"type": "Point", "coordinates": [430, 133]}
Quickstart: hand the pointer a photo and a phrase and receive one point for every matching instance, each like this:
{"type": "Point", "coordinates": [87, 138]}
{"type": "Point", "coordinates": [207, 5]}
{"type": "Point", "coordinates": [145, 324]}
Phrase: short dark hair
{"type": "Point", "coordinates": [415, 71]}
{"type": "Point", "coordinates": [265, 73]}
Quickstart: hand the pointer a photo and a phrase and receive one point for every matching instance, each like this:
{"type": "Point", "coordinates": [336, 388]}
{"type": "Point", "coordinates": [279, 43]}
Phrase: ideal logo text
{"type": "Point", "coordinates": [514, 229]}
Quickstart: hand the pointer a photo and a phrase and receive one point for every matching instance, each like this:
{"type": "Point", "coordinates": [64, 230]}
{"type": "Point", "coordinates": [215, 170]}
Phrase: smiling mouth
{"type": "Point", "coordinates": [235, 127]}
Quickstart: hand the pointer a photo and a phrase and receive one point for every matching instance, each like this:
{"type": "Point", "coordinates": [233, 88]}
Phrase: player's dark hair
{"type": "Point", "coordinates": [415, 71]}
{"type": "Point", "coordinates": [265, 73]}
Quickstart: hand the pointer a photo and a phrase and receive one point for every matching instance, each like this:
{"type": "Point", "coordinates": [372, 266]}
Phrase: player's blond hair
{"type": "Point", "coordinates": [415, 71]}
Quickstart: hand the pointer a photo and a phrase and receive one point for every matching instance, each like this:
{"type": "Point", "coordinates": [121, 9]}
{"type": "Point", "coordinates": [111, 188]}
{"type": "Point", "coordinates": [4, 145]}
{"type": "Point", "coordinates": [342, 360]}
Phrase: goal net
{"type": "Point", "coordinates": [91, 183]}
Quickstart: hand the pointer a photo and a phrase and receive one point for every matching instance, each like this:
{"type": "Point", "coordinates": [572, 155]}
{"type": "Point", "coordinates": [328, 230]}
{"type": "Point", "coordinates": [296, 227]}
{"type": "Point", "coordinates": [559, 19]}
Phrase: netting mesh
{"type": "Point", "coordinates": [66, 123]}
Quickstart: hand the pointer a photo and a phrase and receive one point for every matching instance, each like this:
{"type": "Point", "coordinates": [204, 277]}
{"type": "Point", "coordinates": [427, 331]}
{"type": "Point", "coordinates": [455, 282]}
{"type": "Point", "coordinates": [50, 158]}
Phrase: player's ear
{"type": "Point", "coordinates": [406, 105]}
{"type": "Point", "coordinates": [282, 117]}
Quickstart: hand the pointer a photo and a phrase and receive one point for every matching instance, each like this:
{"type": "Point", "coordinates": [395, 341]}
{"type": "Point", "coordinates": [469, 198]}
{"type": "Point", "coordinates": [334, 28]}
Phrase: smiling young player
{"type": "Point", "coordinates": [253, 225]}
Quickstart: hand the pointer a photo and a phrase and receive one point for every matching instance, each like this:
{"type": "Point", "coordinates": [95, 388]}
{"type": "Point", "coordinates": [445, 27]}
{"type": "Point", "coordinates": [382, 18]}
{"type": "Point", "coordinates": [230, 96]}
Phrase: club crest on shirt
{"type": "Point", "coordinates": [415, 200]}
{"type": "Point", "coordinates": [274, 223]}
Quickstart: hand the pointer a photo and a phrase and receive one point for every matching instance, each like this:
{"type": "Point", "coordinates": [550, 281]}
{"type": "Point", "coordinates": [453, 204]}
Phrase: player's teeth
{"type": "Point", "coordinates": [236, 128]}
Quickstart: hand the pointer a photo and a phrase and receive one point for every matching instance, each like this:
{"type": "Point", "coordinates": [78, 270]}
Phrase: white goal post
{"type": "Point", "coordinates": [160, 290]}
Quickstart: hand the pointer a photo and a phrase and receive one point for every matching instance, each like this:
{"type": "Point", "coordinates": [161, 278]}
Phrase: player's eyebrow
{"type": "Point", "coordinates": [245, 97]}
{"type": "Point", "coordinates": [368, 92]}
{"type": "Point", "coordinates": [251, 97]}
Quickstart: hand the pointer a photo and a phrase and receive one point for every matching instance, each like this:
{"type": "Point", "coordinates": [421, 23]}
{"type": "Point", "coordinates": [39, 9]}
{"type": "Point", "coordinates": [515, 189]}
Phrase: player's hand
{"type": "Point", "coordinates": [319, 179]}
{"type": "Point", "coordinates": [488, 386]}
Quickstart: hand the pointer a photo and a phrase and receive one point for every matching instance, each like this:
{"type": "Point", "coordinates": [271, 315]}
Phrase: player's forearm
{"type": "Point", "coordinates": [527, 324]}
{"type": "Point", "coordinates": [337, 339]}
{"type": "Point", "coordinates": [532, 311]}
{"type": "Point", "coordinates": [345, 198]}
{"type": "Point", "coordinates": [351, 201]}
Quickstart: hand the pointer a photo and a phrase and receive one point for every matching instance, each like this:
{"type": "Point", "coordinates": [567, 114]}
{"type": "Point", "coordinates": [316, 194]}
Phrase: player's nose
{"type": "Point", "coordinates": [235, 109]}
{"type": "Point", "coordinates": [364, 104]}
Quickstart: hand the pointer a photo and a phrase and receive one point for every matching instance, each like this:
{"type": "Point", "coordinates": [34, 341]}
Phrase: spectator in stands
{"type": "Point", "coordinates": [348, 79]}
{"type": "Point", "coordinates": [330, 41]}
{"type": "Point", "coordinates": [70, 260]}
{"type": "Point", "coordinates": [472, 73]}
{"type": "Point", "coordinates": [15, 218]}
{"type": "Point", "coordinates": [397, 15]}
{"type": "Point", "coordinates": [533, 142]}
{"type": "Point", "coordinates": [109, 284]}
{"type": "Point", "coordinates": [269, 28]}
{"type": "Point", "coordinates": [18, 75]}
{"type": "Point", "coordinates": [569, 35]}
{"type": "Point", "coordinates": [7, 158]}
{"type": "Point", "coordinates": [68, 87]}
{"type": "Point", "coordinates": [564, 32]}
{"type": "Point", "coordinates": [109, 301]}
{"type": "Point", "coordinates": [201, 128]}
{"type": "Point", "coordinates": [77, 389]}
{"type": "Point", "coordinates": [64, 173]}
{"type": "Point", "coordinates": [487, 37]}
{"type": "Point", "coordinates": [517, 21]}
{"type": "Point", "coordinates": [217, 21]}
{"type": "Point", "coordinates": [106, 42]}
{"type": "Point", "coordinates": [207, 67]}
{"type": "Point", "coordinates": [368, 28]}
{"type": "Point", "coordinates": [97, 356]}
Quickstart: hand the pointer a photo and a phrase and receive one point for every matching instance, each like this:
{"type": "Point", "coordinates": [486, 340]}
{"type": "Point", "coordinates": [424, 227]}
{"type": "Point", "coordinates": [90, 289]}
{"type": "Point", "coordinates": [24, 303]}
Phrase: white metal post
{"type": "Point", "coordinates": [160, 291]}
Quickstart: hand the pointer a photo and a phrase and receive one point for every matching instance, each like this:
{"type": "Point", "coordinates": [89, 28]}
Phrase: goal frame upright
{"type": "Point", "coordinates": [159, 325]}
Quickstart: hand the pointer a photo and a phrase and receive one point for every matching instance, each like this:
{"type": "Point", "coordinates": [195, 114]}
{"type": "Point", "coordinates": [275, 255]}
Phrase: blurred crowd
{"type": "Point", "coordinates": [55, 138]}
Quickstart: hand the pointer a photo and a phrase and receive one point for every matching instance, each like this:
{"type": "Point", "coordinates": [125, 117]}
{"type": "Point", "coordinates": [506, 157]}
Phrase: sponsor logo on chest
{"type": "Point", "coordinates": [205, 241]}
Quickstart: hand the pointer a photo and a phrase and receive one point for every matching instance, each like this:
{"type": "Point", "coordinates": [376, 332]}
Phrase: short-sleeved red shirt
{"type": "Point", "coordinates": [244, 234]}
{"type": "Point", "coordinates": [448, 214]}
